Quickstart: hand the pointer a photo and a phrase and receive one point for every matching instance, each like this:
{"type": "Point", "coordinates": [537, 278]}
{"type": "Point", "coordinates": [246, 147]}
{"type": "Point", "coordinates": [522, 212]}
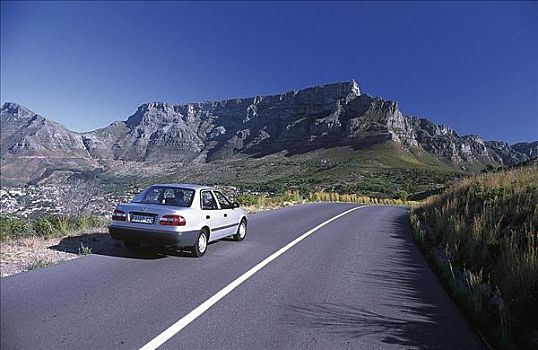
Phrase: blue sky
{"type": "Point", "coordinates": [472, 66]}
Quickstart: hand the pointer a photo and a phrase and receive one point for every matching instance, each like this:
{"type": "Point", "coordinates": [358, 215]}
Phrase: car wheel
{"type": "Point", "coordinates": [241, 231]}
{"type": "Point", "coordinates": [131, 245]}
{"type": "Point", "coordinates": [200, 247]}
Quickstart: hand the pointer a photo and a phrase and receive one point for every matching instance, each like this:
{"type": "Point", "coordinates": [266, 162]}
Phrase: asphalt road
{"type": "Point", "coordinates": [357, 283]}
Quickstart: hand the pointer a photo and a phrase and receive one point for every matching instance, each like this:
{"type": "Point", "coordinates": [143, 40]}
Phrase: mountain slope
{"type": "Point", "coordinates": [296, 125]}
{"type": "Point", "coordinates": [31, 144]}
{"type": "Point", "coordinates": [333, 115]}
{"type": "Point", "coordinates": [25, 133]}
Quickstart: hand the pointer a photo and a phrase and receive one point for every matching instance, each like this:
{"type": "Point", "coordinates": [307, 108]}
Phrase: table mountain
{"type": "Point", "coordinates": [296, 122]}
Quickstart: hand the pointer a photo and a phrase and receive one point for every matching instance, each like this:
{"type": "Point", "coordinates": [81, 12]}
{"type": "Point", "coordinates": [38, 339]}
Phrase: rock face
{"type": "Point", "coordinates": [25, 133]}
{"type": "Point", "coordinates": [325, 116]}
{"type": "Point", "coordinates": [530, 149]}
{"type": "Point", "coordinates": [254, 126]}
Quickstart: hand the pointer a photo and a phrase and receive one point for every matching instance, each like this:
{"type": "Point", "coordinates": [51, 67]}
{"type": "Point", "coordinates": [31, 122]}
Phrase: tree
{"type": "Point", "coordinates": [403, 195]}
{"type": "Point", "coordinates": [77, 194]}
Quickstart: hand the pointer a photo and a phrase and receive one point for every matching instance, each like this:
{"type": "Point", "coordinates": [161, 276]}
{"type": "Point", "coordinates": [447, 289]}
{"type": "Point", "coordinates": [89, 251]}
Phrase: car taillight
{"type": "Point", "coordinates": [173, 220]}
{"type": "Point", "coordinates": [119, 215]}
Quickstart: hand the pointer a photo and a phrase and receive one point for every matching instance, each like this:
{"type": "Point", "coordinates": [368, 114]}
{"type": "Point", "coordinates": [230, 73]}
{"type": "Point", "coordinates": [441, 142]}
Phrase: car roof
{"type": "Point", "coordinates": [189, 186]}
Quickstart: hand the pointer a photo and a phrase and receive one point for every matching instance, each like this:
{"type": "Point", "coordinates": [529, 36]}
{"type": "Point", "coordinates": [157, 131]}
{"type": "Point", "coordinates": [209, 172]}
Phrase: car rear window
{"type": "Point", "coordinates": [170, 196]}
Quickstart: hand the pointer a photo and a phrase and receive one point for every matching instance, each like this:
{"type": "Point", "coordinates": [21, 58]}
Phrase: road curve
{"type": "Point", "coordinates": [358, 282]}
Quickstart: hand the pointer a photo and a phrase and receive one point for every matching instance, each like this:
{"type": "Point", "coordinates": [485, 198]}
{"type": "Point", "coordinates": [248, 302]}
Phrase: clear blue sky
{"type": "Point", "coordinates": [473, 66]}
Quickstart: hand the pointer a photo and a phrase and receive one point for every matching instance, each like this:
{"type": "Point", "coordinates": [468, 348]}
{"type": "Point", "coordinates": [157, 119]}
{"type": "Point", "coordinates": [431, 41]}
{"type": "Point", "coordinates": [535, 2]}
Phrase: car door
{"type": "Point", "coordinates": [212, 214]}
{"type": "Point", "coordinates": [227, 211]}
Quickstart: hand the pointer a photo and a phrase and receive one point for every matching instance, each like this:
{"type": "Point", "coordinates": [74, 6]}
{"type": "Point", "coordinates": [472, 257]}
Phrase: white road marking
{"type": "Point", "coordinates": [191, 316]}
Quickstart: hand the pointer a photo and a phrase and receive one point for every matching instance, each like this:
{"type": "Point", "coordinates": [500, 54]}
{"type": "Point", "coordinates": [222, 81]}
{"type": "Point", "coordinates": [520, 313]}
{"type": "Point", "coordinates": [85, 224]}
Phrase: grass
{"type": "Point", "coordinates": [255, 202]}
{"type": "Point", "coordinates": [381, 170]}
{"type": "Point", "coordinates": [12, 227]}
{"type": "Point", "coordinates": [38, 264]}
{"type": "Point", "coordinates": [46, 226]}
{"type": "Point", "coordinates": [482, 236]}
{"type": "Point", "coordinates": [84, 249]}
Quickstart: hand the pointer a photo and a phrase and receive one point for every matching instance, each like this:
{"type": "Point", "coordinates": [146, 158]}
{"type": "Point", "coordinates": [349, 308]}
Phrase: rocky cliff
{"type": "Point", "coordinates": [321, 117]}
{"type": "Point", "coordinates": [24, 133]}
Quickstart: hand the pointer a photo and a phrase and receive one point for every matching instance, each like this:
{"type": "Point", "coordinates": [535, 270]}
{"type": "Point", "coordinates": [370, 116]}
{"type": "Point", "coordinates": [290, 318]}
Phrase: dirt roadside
{"type": "Point", "coordinates": [35, 252]}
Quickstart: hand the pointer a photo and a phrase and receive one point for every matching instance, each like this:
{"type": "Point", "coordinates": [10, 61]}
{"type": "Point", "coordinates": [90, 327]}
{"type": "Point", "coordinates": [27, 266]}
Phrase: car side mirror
{"type": "Point", "coordinates": [235, 205]}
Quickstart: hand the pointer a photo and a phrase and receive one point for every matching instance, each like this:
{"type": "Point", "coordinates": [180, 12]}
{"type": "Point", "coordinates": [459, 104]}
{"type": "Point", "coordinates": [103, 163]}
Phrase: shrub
{"type": "Point", "coordinates": [12, 227]}
{"type": "Point", "coordinates": [84, 249]}
{"type": "Point", "coordinates": [38, 263]}
{"type": "Point", "coordinates": [247, 199]}
{"type": "Point", "coordinates": [43, 227]}
{"type": "Point", "coordinates": [86, 222]}
{"type": "Point", "coordinates": [62, 224]}
{"type": "Point", "coordinates": [403, 195]}
{"type": "Point", "coordinates": [46, 226]}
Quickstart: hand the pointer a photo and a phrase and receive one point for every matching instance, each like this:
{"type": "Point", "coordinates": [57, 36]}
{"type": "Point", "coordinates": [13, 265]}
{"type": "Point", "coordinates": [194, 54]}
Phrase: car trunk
{"type": "Point", "coordinates": [148, 213]}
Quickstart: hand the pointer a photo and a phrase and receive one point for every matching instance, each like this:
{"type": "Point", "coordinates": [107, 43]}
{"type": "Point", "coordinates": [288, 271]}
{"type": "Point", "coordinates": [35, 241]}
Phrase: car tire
{"type": "Point", "coordinates": [200, 246]}
{"type": "Point", "coordinates": [241, 231]}
{"type": "Point", "coordinates": [131, 245]}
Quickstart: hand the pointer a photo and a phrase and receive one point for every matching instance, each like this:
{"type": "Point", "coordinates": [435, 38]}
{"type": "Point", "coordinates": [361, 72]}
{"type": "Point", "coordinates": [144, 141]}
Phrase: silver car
{"type": "Point", "coordinates": [178, 215]}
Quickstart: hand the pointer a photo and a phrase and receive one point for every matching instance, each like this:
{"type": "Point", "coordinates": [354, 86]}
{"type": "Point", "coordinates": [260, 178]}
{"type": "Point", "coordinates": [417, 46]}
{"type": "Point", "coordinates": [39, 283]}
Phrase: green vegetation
{"type": "Point", "coordinates": [482, 236]}
{"type": "Point", "coordinates": [43, 227]}
{"type": "Point", "coordinates": [38, 263]}
{"type": "Point", "coordinates": [379, 171]}
{"type": "Point", "coordinates": [12, 227]}
{"type": "Point", "coordinates": [254, 202]}
{"type": "Point", "coordinates": [382, 170]}
{"type": "Point", "coordinates": [47, 226]}
{"type": "Point", "coordinates": [355, 198]}
{"type": "Point", "coordinates": [84, 249]}
{"type": "Point", "coordinates": [247, 199]}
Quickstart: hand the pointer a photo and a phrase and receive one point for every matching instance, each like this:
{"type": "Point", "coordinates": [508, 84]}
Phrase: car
{"type": "Point", "coordinates": [180, 216]}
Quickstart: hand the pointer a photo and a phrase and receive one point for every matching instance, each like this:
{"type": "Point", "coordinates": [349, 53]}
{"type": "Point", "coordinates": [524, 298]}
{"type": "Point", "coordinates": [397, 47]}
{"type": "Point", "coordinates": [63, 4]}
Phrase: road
{"type": "Point", "coordinates": [358, 282]}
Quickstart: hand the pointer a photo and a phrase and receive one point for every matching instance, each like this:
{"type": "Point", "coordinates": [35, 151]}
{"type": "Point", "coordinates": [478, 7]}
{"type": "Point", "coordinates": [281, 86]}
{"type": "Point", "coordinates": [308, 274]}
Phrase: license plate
{"type": "Point", "coordinates": [142, 219]}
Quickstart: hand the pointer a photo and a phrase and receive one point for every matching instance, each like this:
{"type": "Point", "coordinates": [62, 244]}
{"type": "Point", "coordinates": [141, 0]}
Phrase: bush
{"type": "Point", "coordinates": [63, 224]}
{"type": "Point", "coordinates": [43, 227]}
{"type": "Point", "coordinates": [38, 263]}
{"type": "Point", "coordinates": [86, 222]}
{"type": "Point", "coordinates": [11, 227]}
{"type": "Point", "coordinates": [46, 226]}
{"type": "Point", "coordinates": [403, 195]}
{"type": "Point", "coordinates": [247, 199]}
{"type": "Point", "coordinates": [84, 249]}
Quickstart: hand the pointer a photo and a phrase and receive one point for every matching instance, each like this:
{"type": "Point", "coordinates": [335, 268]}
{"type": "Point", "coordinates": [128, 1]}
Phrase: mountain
{"type": "Point", "coordinates": [25, 133]}
{"type": "Point", "coordinates": [31, 144]}
{"type": "Point", "coordinates": [530, 149]}
{"type": "Point", "coordinates": [299, 123]}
